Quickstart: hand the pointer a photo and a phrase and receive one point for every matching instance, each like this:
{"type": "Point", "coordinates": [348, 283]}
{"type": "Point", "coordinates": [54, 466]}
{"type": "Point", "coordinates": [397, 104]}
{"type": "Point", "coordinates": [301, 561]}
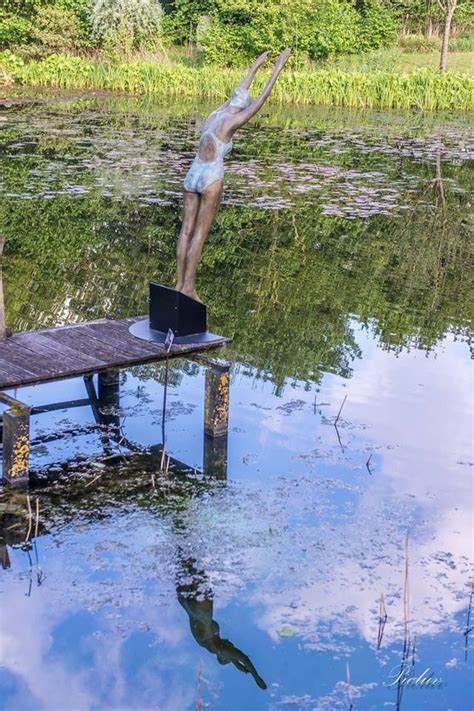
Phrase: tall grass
{"type": "Point", "coordinates": [422, 89]}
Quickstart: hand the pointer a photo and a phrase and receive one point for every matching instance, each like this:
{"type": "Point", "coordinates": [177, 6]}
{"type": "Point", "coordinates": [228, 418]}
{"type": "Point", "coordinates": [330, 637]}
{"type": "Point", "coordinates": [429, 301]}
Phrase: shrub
{"type": "Point", "coordinates": [378, 26]}
{"type": "Point", "coordinates": [10, 67]}
{"type": "Point", "coordinates": [13, 30]}
{"type": "Point", "coordinates": [241, 29]}
{"type": "Point", "coordinates": [419, 43]}
{"type": "Point", "coordinates": [57, 30]}
{"type": "Point", "coordinates": [463, 43]}
{"type": "Point", "coordinates": [133, 22]}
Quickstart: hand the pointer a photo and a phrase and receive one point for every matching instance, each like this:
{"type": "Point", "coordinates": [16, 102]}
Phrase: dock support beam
{"type": "Point", "coordinates": [108, 396]}
{"type": "Point", "coordinates": [16, 441]}
{"type": "Point", "coordinates": [216, 421]}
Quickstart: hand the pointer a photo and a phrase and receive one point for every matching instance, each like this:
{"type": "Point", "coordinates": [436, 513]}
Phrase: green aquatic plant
{"type": "Point", "coordinates": [421, 89]}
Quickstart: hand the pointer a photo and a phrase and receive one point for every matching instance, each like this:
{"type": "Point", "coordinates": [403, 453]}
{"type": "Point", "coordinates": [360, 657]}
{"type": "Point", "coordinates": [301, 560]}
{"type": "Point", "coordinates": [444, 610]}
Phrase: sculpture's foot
{"type": "Point", "coordinates": [192, 293]}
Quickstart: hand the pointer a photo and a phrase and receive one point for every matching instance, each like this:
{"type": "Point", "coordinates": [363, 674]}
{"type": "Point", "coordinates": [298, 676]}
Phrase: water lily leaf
{"type": "Point", "coordinates": [287, 631]}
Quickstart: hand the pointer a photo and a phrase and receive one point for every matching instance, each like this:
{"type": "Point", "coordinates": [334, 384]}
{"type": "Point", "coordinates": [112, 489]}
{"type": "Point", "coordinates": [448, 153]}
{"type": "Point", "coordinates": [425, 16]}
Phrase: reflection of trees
{"type": "Point", "coordinates": [285, 284]}
{"type": "Point", "coordinates": [3, 331]}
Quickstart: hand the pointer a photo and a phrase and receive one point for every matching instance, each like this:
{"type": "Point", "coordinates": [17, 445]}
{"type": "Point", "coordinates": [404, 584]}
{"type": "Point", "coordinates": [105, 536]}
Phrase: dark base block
{"type": "Point", "coordinates": [171, 310]}
{"type": "Point", "coordinates": [142, 329]}
{"type": "Point", "coordinates": [174, 314]}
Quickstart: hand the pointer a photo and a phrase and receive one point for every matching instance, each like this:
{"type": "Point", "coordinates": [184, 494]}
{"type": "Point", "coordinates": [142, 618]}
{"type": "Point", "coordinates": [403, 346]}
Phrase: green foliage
{"type": "Point", "coordinates": [133, 22]}
{"type": "Point", "coordinates": [181, 19]}
{"type": "Point", "coordinates": [419, 43]}
{"type": "Point", "coordinates": [81, 9]}
{"type": "Point", "coordinates": [422, 89]}
{"type": "Point", "coordinates": [11, 64]}
{"type": "Point", "coordinates": [57, 30]}
{"type": "Point", "coordinates": [242, 29]}
{"type": "Point", "coordinates": [378, 26]}
{"type": "Point", "coordinates": [463, 43]}
{"type": "Point", "coordinates": [13, 30]}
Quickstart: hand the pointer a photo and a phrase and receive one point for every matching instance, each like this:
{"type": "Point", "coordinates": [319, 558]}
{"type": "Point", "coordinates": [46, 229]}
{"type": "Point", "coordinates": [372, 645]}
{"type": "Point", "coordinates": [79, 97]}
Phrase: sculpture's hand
{"type": "Point", "coordinates": [261, 59]}
{"type": "Point", "coordinates": [282, 59]}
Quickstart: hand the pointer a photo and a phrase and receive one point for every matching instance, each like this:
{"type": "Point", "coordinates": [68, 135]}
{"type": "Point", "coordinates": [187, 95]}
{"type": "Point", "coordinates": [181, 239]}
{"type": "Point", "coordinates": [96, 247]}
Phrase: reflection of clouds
{"type": "Point", "coordinates": [418, 448]}
{"type": "Point", "coordinates": [26, 638]}
{"type": "Point", "coordinates": [65, 678]}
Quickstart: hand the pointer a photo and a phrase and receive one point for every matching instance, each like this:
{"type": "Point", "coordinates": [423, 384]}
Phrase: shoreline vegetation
{"type": "Point", "coordinates": [421, 89]}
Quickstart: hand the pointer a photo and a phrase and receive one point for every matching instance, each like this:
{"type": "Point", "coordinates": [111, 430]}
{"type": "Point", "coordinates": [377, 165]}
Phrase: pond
{"type": "Point", "coordinates": [329, 561]}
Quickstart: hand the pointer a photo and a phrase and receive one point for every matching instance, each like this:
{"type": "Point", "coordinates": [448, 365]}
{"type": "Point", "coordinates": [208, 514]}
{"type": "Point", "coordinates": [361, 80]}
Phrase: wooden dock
{"type": "Point", "coordinates": [102, 347]}
{"type": "Point", "coordinates": [77, 349]}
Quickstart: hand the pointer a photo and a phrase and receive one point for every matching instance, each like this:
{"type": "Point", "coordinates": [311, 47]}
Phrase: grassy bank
{"type": "Point", "coordinates": [422, 89]}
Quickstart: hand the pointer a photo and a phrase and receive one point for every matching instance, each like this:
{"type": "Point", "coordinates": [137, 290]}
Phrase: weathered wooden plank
{"type": "Point", "coordinates": [51, 348]}
{"type": "Point", "coordinates": [120, 341]}
{"type": "Point", "coordinates": [79, 349]}
{"type": "Point", "coordinates": [17, 355]}
{"type": "Point", "coordinates": [84, 342]}
{"type": "Point", "coordinates": [118, 330]}
{"type": "Point", "coordinates": [13, 373]}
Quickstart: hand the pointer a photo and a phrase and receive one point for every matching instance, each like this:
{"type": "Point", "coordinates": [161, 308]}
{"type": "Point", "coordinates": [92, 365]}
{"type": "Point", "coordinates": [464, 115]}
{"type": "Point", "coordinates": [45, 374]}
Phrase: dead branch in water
{"type": "Point", "coordinates": [37, 517]}
{"type": "Point", "coordinates": [367, 464]}
{"type": "Point", "coordinates": [468, 621]}
{"type": "Point", "coordinates": [30, 520]}
{"type": "Point", "coordinates": [340, 410]}
{"type": "Point", "coordinates": [382, 620]}
{"type": "Point", "coordinates": [349, 687]}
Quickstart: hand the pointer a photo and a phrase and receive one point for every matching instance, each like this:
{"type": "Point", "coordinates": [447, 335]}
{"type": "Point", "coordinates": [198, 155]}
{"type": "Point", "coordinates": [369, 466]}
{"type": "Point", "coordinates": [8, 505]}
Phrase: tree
{"type": "Point", "coordinates": [447, 7]}
{"type": "Point", "coordinates": [131, 20]}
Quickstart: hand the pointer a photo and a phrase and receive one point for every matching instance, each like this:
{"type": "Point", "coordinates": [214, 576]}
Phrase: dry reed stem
{"type": "Point", "coordinates": [37, 517]}
{"type": "Point", "coordinates": [340, 410]}
{"type": "Point", "coordinates": [30, 519]}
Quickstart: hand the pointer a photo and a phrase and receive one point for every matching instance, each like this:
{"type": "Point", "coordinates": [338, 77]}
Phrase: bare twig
{"type": "Point", "coordinates": [340, 410]}
{"type": "Point", "coordinates": [30, 519]}
{"type": "Point", "coordinates": [199, 701]}
{"type": "Point", "coordinates": [349, 687]}
{"type": "Point", "coordinates": [468, 629]}
{"type": "Point", "coordinates": [37, 517]}
{"type": "Point", "coordinates": [382, 620]}
{"type": "Point", "coordinates": [92, 481]}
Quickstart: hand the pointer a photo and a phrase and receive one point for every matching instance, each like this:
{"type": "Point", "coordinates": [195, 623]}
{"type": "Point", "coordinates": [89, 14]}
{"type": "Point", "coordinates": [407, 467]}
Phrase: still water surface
{"type": "Point", "coordinates": [325, 555]}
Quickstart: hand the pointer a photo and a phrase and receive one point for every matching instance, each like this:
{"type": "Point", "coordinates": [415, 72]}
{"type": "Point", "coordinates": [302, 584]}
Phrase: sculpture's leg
{"type": "Point", "coordinates": [190, 211]}
{"type": "Point", "coordinates": [208, 208]}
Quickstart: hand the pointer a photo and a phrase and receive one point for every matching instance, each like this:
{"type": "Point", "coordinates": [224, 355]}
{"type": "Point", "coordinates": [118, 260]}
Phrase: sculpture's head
{"type": "Point", "coordinates": [240, 98]}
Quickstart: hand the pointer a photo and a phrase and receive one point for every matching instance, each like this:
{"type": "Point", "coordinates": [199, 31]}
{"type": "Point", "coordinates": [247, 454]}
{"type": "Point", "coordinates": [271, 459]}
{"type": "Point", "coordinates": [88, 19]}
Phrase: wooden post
{"type": "Point", "coordinates": [215, 456]}
{"type": "Point", "coordinates": [216, 421]}
{"type": "Point", "coordinates": [216, 404]}
{"type": "Point", "coordinates": [16, 441]}
{"type": "Point", "coordinates": [108, 396]}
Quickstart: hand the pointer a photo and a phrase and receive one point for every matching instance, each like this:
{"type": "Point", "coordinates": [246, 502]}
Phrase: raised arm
{"type": "Point", "coordinates": [245, 83]}
{"type": "Point", "coordinates": [246, 114]}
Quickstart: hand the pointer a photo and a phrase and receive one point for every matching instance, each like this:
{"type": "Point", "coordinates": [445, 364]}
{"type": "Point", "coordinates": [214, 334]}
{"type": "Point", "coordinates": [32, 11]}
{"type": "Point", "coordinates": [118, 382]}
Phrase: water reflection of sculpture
{"type": "Point", "coordinates": [204, 182]}
{"type": "Point", "coordinates": [196, 597]}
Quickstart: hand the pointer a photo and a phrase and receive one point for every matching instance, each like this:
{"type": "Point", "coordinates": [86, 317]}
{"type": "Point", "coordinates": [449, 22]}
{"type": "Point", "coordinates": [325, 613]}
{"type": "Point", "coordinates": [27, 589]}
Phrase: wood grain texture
{"type": "Point", "coordinates": [77, 349]}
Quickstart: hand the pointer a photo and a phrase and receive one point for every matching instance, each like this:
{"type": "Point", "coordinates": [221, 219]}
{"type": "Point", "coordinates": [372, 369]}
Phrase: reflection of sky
{"type": "Point", "coordinates": [298, 547]}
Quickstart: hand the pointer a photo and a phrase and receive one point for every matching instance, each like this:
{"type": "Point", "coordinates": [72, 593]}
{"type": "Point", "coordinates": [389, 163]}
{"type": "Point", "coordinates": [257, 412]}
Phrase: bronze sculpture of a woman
{"type": "Point", "coordinates": [204, 181]}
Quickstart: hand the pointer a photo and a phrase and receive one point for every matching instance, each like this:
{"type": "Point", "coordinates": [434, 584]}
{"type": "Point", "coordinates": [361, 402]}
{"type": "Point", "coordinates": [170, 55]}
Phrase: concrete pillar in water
{"type": "Point", "coordinates": [16, 441]}
{"type": "Point", "coordinates": [108, 397]}
{"type": "Point", "coordinates": [216, 421]}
